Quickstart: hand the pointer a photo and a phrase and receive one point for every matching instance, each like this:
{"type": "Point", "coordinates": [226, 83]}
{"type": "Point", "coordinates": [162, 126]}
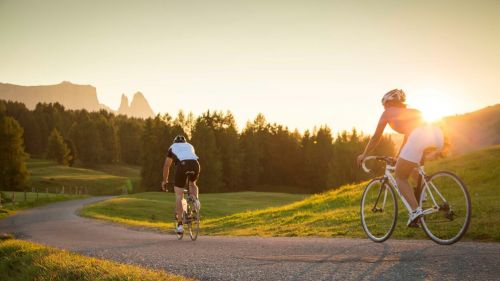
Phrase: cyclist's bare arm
{"type": "Point", "coordinates": [375, 139]}
{"type": "Point", "coordinates": [166, 169]}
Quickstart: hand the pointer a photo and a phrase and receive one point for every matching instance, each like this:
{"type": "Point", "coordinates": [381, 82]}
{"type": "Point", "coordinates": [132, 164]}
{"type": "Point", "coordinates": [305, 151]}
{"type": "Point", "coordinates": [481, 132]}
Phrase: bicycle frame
{"type": "Point", "coordinates": [428, 188]}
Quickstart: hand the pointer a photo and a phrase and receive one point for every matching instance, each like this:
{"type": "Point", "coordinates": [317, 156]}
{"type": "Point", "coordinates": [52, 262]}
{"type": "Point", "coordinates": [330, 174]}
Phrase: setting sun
{"type": "Point", "coordinates": [433, 104]}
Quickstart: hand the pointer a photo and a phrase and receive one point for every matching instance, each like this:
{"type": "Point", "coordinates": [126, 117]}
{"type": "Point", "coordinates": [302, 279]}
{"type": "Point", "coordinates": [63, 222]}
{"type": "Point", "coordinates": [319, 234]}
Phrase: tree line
{"type": "Point", "coordinates": [262, 156]}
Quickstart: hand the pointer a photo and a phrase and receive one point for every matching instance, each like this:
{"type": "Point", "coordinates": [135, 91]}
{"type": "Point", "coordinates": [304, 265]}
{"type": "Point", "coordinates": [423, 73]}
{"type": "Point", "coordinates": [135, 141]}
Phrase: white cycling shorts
{"type": "Point", "coordinates": [420, 139]}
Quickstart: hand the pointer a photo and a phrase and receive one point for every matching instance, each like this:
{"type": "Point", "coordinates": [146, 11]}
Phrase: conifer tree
{"type": "Point", "coordinates": [204, 142]}
{"type": "Point", "coordinates": [57, 148]}
{"type": "Point", "coordinates": [13, 172]}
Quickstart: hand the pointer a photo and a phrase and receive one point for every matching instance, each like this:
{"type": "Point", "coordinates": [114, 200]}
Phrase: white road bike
{"type": "Point", "coordinates": [442, 196]}
{"type": "Point", "coordinates": [190, 214]}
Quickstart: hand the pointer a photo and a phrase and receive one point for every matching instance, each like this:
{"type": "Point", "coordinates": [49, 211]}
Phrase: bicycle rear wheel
{"type": "Point", "coordinates": [194, 223]}
{"type": "Point", "coordinates": [379, 210]}
{"type": "Point", "coordinates": [447, 208]}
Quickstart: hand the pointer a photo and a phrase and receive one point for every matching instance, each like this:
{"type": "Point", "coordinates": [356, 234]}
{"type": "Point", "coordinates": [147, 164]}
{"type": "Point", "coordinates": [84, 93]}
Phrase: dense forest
{"type": "Point", "coordinates": [262, 156]}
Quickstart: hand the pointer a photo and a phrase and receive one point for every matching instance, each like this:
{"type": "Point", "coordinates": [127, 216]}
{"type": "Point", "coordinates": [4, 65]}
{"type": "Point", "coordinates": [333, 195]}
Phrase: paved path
{"type": "Point", "coordinates": [252, 258]}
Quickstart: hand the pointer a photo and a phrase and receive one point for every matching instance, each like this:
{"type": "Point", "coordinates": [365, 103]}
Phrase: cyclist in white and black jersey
{"type": "Point", "coordinates": [182, 154]}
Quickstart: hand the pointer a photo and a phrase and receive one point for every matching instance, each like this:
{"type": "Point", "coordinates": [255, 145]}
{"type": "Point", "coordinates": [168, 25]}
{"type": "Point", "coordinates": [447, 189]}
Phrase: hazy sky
{"type": "Point", "coordinates": [301, 63]}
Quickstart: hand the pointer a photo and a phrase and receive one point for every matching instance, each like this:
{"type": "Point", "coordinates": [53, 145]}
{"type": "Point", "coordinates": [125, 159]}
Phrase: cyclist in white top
{"type": "Point", "coordinates": [182, 154]}
{"type": "Point", "coordinates": [418, 136]}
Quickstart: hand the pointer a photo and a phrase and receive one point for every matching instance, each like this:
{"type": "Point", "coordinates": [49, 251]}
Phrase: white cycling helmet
{"type": "Point", "coordinates": [394, 95]}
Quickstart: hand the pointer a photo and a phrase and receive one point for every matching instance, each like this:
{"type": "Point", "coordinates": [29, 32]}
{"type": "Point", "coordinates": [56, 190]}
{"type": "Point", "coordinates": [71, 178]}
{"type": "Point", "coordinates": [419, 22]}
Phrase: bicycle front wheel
{"type": "Point", "coordinates": [379, 210]}
{"type": "Point", "coordinates": [447, 208]}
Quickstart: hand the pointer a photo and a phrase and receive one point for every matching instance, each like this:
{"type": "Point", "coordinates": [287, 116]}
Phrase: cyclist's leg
{"type": "Point", "coordinates": [414, 175]}
{"type": "Point", "coordinates": [403, 170]}
{"type": "Point", "coordinates": [409, 157]}
{"type": "Point", "coordinates": [179, 182]}
{"type": "Point", "coordinates": [179, 195]}
{"type": "Point", "coordinates": [414, 181]}
{"type": "Point", "coordinates": [193, 188]}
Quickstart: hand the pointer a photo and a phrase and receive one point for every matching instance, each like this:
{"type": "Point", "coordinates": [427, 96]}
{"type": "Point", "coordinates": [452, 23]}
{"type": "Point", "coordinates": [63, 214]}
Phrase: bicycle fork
{"type": "Point", "coordinates": [383, 188]}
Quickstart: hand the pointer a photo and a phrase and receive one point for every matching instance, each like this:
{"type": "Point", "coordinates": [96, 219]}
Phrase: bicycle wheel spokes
{"type": "Point", "coordinates": [378, 211]}
{"type": "Point", "coordinates": [449, 198]}
{"type": "Point", "coordinates": [194, 226]}
{"type": "Point", "coordinates": [193, 222]}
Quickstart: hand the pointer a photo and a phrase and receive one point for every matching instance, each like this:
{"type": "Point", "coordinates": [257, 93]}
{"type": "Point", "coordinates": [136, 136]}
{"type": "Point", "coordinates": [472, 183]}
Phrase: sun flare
{"type": "Point", "coordinates": [433, 104]}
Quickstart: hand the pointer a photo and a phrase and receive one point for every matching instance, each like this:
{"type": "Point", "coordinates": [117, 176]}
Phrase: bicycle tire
{"type": "Point", "coordinates": [194, 223]}
{"type": "Point", "coordinates": [369, 230]}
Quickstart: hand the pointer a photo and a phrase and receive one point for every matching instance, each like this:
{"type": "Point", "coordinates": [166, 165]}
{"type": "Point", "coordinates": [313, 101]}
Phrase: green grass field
{"type": "Point", "coordinates": [330, 214]}
{"type": "Point", "coordinates": [20, 260]}
{"type": "Point", "coordinates": [156, 209]}
{"type": "Point", "coordinates": [133, 173]}
{"type": "Point", "coordinates": [336, 213]}
{"type": "Point", "coordinates": [105, 180]}
{"type": "Point", "coordinates": [9, 208]}
{"type": "Point", "coordinates": [46, 175]}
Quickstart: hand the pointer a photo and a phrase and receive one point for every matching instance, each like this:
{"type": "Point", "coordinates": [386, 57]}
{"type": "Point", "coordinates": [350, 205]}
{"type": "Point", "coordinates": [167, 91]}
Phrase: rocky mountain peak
{"type": "Point", "coordinates": [124, 106]}
{"type": "Point", "coordinates": [139, 107]}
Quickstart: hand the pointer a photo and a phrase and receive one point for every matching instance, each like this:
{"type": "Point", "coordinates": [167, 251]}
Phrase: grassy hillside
{"type": "Point", "coordinates": [47, 174]}
{"type": "Point", "coordinates": [156, 209]}
{"type": "Point", "coordinates": [133, 173]}
{"type": "Point", "coordinates": [330, 214]}
{"type": "Point", "coordinates": [336, 213]}
{"type": "Point", "coordinates": [20, 260]}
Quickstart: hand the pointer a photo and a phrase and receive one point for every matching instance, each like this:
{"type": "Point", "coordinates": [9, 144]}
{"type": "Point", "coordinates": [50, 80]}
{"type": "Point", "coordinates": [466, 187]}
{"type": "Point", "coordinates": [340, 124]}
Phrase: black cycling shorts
{"type": "Point", "coordinates": [180, 172]}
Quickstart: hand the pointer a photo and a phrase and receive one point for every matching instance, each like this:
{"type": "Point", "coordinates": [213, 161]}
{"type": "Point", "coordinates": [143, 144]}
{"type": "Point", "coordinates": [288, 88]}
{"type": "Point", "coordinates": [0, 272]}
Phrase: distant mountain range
{"type": "Point", "coordinates": [466, 132]}
{"type": "Point", "coordinates": [73, 96]}
{"type": "Point", "coordinates": [474, 130]}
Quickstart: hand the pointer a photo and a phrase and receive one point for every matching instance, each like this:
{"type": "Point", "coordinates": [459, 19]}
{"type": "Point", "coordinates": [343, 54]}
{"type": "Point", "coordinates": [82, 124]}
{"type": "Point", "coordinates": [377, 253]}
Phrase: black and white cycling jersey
{"type": "Point", "coordinates": [181, 151]}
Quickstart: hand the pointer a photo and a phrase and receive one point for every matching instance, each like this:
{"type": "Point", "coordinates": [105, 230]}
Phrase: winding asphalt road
{"type": "Point", "coordinates": [252, 258]}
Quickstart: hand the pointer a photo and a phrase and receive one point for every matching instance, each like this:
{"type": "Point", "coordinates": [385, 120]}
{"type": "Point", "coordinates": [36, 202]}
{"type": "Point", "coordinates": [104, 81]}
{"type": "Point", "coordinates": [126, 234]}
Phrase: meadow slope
{"type": "Point", "coordinates": [156, 209]}
{"type": "Point", "coordinates": [46, 175]}
{"type": "Point", "coordinates": [336, 213]}
{"type": "Point", "coordinates": [331, 214]}
{"type": "Point", "coordinates": [103, 180]}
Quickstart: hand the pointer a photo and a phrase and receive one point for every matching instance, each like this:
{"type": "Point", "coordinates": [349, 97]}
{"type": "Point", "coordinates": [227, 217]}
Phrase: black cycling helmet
{"type": "Point", "coordinates": [179, 138]}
